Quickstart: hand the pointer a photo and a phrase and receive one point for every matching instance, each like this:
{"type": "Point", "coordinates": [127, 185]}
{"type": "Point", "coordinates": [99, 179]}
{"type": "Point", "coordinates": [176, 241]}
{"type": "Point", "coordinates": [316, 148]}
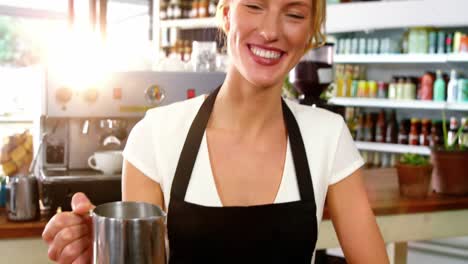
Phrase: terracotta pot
{"type": "Point", "coordinates": [414, 181]}
{"type": "Point", "coordinates": [450, 174]}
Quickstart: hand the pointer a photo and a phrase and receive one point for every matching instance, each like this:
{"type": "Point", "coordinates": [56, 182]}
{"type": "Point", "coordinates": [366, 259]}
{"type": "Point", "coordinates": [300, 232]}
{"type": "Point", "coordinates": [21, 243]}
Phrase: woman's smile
{"type": "Point", "coordinates": [266, 56]}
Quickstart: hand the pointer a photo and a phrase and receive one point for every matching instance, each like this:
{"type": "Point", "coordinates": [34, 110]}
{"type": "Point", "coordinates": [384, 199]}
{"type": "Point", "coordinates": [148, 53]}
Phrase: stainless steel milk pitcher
{"type": "Point", "coordinates": [128, 232]}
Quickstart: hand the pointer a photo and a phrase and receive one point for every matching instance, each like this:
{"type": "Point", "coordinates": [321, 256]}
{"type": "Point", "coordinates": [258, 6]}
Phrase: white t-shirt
{"type": "Point", "coordinates": [155, 143]}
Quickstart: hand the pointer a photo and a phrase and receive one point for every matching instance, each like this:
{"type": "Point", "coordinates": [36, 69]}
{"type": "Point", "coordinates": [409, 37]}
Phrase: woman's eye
{"type": "Point", "coordinates": [253, 7]}
{"type": "Point", "coordinates": [295, 16]}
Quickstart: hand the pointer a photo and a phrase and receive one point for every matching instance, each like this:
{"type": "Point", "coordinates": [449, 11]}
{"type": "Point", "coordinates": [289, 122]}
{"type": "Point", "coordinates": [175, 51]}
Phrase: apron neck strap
{"type": "Point", "coordinates": [194, 138]}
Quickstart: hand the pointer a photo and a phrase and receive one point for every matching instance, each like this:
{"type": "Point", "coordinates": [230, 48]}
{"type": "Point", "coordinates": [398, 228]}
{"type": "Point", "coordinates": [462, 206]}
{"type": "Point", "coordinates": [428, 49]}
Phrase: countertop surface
{"type": "Point", "coordinates": [382, 190]}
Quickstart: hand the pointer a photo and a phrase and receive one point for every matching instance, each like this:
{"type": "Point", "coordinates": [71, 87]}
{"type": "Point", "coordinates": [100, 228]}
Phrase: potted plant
{"type": "Point", "coordinates": [450, 161]}
{"type": "Point", "coordinates": [414, 175]}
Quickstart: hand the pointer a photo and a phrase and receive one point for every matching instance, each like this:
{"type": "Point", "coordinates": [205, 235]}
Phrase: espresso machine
{"type": "Point", "coordinates": [75, 121]}
{"type": "Point", "coordinates": [313, 75]}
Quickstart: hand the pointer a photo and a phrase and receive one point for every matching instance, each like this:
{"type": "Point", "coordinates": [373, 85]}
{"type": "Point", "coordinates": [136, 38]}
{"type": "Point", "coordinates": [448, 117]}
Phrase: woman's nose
{"type": "Point", "coordinates": [269, 28]}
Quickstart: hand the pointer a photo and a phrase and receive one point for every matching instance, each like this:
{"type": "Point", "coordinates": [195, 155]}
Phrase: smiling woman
{"type": "Point", "coordinates": [242, 173]}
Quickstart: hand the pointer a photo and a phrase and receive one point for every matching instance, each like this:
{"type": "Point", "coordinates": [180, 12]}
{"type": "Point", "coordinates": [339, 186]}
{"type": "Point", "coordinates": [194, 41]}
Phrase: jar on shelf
{"type": "Point", "coordinates": [400, 86]}
{"type": "Point", "coordinates": [426, 86]}
{"type": "Point", "coordinates": [163, 10]}
{"type": "Point", "coordinates": [382, 90]}
{"type": "Point", "coordinates": [203, 8]}
{"type": "Point", "coordinates": [212, 8]}
{"type": "Point", "coordinates": [392, 88]}
{"type": "Point", "coordinates": [177, 9]}
{"type": "Point", "coordinates": [194, 9]}
{"type": "Point", "coordinates": [204, 56]}
{"type": "Point", "coordinates": [372, 88]}
{"type": "Point", "coordinates": [409, 90]}
{"type": "Point", "coordinates": [186, 8]}
{"type": "Point", "coordinates": [170, 10]}
{"type": "Point", "coordinates": [363, 90]}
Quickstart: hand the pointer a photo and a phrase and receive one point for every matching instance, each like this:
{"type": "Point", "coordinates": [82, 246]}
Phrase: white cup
{"type": "Point", "coordinates": [109, 161]}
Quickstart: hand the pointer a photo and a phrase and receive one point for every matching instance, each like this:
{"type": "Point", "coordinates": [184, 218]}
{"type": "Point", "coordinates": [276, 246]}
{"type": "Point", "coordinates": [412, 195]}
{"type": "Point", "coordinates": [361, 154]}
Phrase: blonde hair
{"type": "Point", "coordinates": [318, 14]}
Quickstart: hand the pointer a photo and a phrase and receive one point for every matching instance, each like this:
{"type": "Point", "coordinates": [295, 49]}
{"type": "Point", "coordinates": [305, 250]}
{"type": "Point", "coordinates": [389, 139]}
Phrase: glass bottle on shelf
{"type": "Point", "coordinates": [369, 135]}
{"type": "Point", "coordinates": [439, 87]}
{"type": "Point", "coordinates": [436, 138]}
{"type": "Point", "coordinates": [350, 121]}
{"type": "Point", "coordinates": [414, 135]}
{"type": "Point", "coordinates": [360, 128]}
{"type": "Point", "coordinates": [425, 132]}
{"type": "Point", "coordinates": [347, 81]}
{"type": "Point", "coordinates": [380, 128]}
{"type": "Point", "coordinates": [451, 135]}
{"type": "Point", "coordinates": [391, 135]}
{"type": "Point", "coordinates": [339, 80]}
{"type": "Point", "coordinates": [403, 132]}
{"type": "Point", "coordinates": [452, 87]}
{"type": "Point", "coordinates": [463, 139]}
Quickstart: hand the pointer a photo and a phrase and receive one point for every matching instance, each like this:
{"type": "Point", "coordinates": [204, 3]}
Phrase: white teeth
{"type": "Point", "coordinates": [267, 54]}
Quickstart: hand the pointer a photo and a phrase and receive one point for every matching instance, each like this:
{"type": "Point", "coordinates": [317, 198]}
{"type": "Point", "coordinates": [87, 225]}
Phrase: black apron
{"type": "Point", "coordinates": [272, 233]}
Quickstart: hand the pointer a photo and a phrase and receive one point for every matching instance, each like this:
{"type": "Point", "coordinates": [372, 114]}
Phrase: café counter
{"type": "Point", "coordinates": [400, 219]}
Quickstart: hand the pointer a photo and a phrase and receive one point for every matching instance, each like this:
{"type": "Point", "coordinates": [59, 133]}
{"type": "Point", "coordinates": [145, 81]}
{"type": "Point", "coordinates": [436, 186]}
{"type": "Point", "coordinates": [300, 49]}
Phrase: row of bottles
{"type": "Point", "coordinates": [413, 41]}
{"type": "Point", "coordinates": [350, 82]}
{"type": "Point", "coordinates": [179, 9]}
{"type": "Point", "coordinates": [376, 127]}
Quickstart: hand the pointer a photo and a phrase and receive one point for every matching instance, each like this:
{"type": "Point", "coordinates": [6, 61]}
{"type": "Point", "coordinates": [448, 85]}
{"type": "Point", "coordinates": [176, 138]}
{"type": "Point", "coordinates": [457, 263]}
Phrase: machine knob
{"type": "Point", "coordinates": [154, 94]}
{"type": "Point", "coordinates": [63, 95]}
{"type": "Point", "coordinates": [90, 95]}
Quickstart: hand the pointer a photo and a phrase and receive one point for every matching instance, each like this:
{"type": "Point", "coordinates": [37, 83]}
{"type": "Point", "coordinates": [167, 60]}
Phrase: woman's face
{"type": "Point", "coordinates": [266, 38]}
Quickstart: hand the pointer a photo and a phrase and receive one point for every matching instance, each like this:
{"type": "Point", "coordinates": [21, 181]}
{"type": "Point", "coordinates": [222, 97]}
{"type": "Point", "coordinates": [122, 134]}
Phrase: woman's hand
{"type": "Point", "coordinates": [69, 234]}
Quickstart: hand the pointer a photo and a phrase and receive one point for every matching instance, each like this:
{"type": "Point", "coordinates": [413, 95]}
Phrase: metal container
{"type": "Point", "coordinates": [22, 198]}
{"type": "Point", "coordinates": [128, 232]}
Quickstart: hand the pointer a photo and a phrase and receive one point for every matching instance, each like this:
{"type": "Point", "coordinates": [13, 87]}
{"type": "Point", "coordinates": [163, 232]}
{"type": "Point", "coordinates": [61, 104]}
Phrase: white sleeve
{"type": "Point", "coordinates": [139, 149]}
{"type": "Point", "coordinates": [347, 158]}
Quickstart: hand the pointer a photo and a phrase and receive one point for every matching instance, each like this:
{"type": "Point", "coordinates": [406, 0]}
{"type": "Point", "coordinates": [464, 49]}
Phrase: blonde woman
{"type": "Point", "coordinates": [243, 174]}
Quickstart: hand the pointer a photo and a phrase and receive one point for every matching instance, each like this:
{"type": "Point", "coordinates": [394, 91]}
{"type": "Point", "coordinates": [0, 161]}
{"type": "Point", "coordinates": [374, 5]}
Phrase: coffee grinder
{"type": "Point", "coordinates": [313, 75]}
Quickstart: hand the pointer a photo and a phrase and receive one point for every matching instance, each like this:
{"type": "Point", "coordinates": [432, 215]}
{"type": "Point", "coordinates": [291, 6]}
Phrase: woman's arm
{"type": "Point", "coordinates": [136, 186]}
{"type": "Point", "coordinates": [354, 221]}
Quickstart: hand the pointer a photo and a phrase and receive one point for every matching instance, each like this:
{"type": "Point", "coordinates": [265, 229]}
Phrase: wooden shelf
{"type": "Point", "coordinates": [392, 148]}
{"type": "Point", "coordinates": [405, 104]}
